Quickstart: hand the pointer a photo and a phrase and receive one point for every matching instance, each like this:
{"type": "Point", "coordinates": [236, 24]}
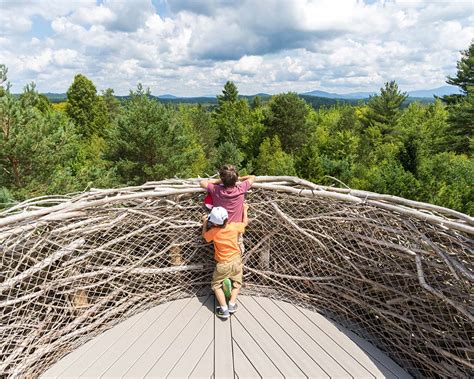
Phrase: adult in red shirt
{"type": "Point", "coordinates": [227, 193]}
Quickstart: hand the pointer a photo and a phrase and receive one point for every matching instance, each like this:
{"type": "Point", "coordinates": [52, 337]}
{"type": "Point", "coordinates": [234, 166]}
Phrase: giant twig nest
{"type": "Point", "coordinates": [397, 272]}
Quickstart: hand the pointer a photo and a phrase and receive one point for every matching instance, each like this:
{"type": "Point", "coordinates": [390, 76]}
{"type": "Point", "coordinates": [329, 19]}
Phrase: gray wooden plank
{"type": "Point", "coordinates": [165, 362]}
{"type": "Point", "coordinates": [336, 335]}
{"type": "Point", "coordinates": [161, 341]}
{"type": "Point", "coordinates": [263, 333]}
{"type": "Point", "coordinates": [73, 363]}
{"type": "Point", "coordinates": [223, 355]}
{"type": "Point", "coordinates": [256, 355]}
{"type": "Point", "coordinates": [140, 344]}
{"type": "Point", "coordinates": [325, 365]}
{"type": "Point", "coordinates": [102, 362]}
{"type": "Point", "coordinates": [307, 334]}
{"type": "Point", "coordinates": [205, 366]}
{"type": "Point", "coordinates": [385, 364]}
{"type": "Point", "coordinates": [267, 342]}
{"type": "Point", "coordinates": [190, 358]}
{"type": "Point", "coordinates": [243, 367]}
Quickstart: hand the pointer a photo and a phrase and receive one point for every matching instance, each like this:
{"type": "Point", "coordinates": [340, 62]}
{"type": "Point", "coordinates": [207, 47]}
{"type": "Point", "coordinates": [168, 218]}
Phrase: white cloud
{"type": "Point", "coordinates": [268, 45]}
{"type": "Point", "coordinates": [248, 65]}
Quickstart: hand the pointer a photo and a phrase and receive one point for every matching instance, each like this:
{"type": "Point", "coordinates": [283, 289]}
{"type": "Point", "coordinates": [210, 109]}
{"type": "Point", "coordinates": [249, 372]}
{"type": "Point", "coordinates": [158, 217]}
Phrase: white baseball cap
{"type": "Point", "coordinates": [218, 216]}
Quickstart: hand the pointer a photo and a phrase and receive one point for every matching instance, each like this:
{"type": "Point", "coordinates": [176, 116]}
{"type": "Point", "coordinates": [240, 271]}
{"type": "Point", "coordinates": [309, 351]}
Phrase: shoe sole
{"type": "Point", "coordinates": [223, 316]}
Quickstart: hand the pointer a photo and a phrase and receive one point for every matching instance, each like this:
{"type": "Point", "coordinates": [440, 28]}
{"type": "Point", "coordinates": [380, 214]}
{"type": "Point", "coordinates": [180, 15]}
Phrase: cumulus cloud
{"type": "Point", "coordinates": [268, 45]}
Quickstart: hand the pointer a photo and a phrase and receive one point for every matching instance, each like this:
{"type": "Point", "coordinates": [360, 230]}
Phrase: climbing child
{"type": "Point", "coordinates": [227, 193]}
{"type": "Point", "coordinates": [218, 229]}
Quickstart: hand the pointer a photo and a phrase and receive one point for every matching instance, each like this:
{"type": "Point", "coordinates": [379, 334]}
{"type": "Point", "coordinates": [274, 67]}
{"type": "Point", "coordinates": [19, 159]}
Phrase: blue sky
{"type": "Point", "coordinates": [191, 48]}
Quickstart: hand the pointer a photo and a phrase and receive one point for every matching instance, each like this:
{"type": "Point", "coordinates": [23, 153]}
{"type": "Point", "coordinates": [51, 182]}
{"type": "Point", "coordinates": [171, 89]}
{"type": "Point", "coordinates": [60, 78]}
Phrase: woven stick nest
{"type": "Point", "coordinates": [397, 272]}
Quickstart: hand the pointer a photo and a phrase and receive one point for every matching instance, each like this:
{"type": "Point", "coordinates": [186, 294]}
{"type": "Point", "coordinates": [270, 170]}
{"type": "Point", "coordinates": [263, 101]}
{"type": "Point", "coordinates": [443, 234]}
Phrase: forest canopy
{"type": "Point", "coordinates": [421, 152]}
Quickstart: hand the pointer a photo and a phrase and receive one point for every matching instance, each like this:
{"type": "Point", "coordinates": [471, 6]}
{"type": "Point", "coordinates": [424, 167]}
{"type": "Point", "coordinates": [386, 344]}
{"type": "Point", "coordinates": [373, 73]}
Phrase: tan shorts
{"type": "Point", "coordinates": [231, 270]}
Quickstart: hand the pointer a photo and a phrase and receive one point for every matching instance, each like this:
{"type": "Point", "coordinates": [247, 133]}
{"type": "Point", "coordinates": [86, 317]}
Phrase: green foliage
{"type": "Point", "coordinates": [97, 141]}
{"type": "Point", "coordinates": [461, 129]}
{"type": "Point", "coordinates": [272, 160]}
{"type": "Point", "coordinates": [390, 177]}
{"type": "Point", "coordinates": [231, 120]}
{"type": "Point", "coordinates": [111, 103]}
{"type": "Point", "coordinates": [464, 78]}
{"type": "Point", "coordinates": [384, 110]}
{"type": "Point", "coordinates": [3, 79]}
{"type": "Point", "coordinates": [286, 118]}
{"type": "Point", "coordinates": [85, 108]}
{"type": "Point", "coordinates": [239, 127]}
{"type": "Point", "coordinates": [461, 107]}
{"type": "Point", "coordinates": [229, 94]}
{"type": "Point", "coordinates": [33, 146]}
{"type": "Point", "coordinates": [205, 128]}
{"type": "Point", "coordinates": [447, 180]}
{"type": "Point", "coordinates": [6, 198]}
{"type": "Point", "coordinates": [153, 142]}
{"type": "Point", "coordinates": [256, 102]}
{"type": "Point", "coordinates": [228, 153]}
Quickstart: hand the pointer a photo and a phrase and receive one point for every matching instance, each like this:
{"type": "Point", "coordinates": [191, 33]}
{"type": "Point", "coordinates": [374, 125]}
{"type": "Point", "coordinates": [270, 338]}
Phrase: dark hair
{"type": "Point", "coordinates": [228, 175]}
{"type": "Point", "coordinates": [211, 225]}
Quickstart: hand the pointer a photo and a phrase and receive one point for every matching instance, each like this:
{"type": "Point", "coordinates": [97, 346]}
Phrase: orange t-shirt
{"type": "Point", "coordinates": [226, 246]}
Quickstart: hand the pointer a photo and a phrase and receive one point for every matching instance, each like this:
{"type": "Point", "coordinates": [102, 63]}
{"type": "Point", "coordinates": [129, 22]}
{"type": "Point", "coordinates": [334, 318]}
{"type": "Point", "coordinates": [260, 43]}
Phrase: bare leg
{"type": "Point", "coordinates": [233, 295]}
{"type": "Point", "coordinates": [220, 296]}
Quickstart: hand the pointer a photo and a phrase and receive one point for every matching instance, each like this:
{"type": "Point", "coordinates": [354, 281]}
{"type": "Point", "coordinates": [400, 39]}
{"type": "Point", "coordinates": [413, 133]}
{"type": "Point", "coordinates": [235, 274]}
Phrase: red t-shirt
{"type": "Point", "coordinates": [230, 198]}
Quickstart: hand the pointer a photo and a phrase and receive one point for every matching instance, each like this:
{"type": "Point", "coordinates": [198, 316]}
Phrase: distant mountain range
{"type": "Point", "coordinates": [427, 94]}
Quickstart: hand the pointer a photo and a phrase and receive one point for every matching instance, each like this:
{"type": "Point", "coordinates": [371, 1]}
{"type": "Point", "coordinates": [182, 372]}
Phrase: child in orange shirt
{"type": "Point", "coordinates": [227, 255]}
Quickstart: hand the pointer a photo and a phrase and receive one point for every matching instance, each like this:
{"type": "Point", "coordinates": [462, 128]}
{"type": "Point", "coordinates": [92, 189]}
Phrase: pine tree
{"type": "Point", "coordinates": [152, 141]}
{"type": "Point", "coordinates": [384, 110]}
{"type": "Point", "coordinates": [464, 78]}
{"type": "Point", "coordinates": [84, 107]}
{"type": "Point", "coordinates": [228, 153]}
{"type": "Point", "coordinates": [111, 103]}
{"type": "Point", "coordinates": [229, 94]}
{"type": "Point", "coordinates": [34, 146]}
{"type": "Point", "coordinates": [461, 107]}
{"type": "Point", "coordinates": [256, 102]}
{"type": "Point", "coordinates": [287, 120]}
{"type": "Point", "coordinates": [3, 79]}
{"type": "Point", "coordinates": [272, 160]}
{"type": "Point", "coordinates": [461, 130]}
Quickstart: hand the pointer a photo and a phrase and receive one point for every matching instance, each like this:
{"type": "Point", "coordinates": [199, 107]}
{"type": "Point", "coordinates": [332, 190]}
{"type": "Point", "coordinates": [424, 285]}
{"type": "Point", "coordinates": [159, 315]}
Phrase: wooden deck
{"type": "Point", "coordinates": [264, 338]}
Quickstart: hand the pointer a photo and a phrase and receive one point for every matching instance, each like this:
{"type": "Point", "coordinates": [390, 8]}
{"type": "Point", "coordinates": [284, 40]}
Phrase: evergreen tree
{"type": "Point", "coordinates": [461, 107]}
{"type": "Point", "coordinates": [33, 146]}
{"type": "Point", "coordinates": [384, 110]}
{"type": "Point", "coordinates": [111, 103]}
{"type": "Point", "coordinates": [461, 130]}
{"type": "Point", "coordinates": [464, 78]}
{"type": "Point", "coordinates": [256, 102]}
{"type": "Point", "coordinates": [84, 107]}
{"type": "Point", "coordinates": [447, 181]}
{"type": "Point", "coordinates": [3, 79]}
{"type": "Point", "coordinates": [238, 125]}
{"type": "Point", "coordinates": [228, 153]}
{"type": "Point", "coordinates": [286, 118]}
{"type": "Point", "coordinates": [152, 141]}
{"type": "Point", "coordinates": [30, 97]}
{"type": "Point", "coordinates": [272, 160]}
{"type": "Point", "coordinates": [229, 94]}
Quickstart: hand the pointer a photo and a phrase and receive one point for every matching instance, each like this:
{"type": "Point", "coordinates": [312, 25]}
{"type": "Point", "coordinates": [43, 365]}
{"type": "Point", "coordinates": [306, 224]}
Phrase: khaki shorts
{"type": "Point", "coordinates": [231, 270]}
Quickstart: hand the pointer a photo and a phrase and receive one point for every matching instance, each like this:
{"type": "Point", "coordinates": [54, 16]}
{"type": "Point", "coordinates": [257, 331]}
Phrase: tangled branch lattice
{"type": "Point", "coordinates": [397, 272]}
